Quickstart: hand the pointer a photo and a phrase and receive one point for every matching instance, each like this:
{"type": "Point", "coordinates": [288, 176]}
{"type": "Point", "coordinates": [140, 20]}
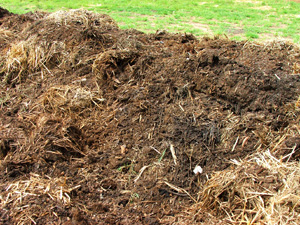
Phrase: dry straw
{"type": "Point", "coordinates": [35, 54]}
{"type": "Point", "coordinates": [259, 190]}
{"type": "Point", "coordinates": [79, 16]}
{"type": "Point", "coordinates": [29, 56]}
{"type": "Point", "coordinates": [69, 97]}
{"type": "Point", "coordinates": [5, 36]}
{"type": "Point", "coordinates": [19, 196]}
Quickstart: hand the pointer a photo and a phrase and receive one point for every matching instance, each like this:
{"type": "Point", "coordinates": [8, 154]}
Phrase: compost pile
{"type": "Point", "coordinates": [105, 126]}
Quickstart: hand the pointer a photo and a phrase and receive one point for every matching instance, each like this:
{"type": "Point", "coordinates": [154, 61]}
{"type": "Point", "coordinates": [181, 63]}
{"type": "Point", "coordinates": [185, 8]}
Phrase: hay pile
{"type": "Point", "coordinates": [261, 189]}
{"type": "Point", "coordinates": [106, 126]}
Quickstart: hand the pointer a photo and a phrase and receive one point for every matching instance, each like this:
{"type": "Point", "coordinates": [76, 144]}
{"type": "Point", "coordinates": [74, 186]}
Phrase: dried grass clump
{"type": "Point", "coordinates": [49, 139]}
{"type": "Point", "coordinates": [26, 57]}
{"type": "Point", "coordinates": [234, 124]}
{"type": "Point", "coordinates": [81, 17]}
{"type": "Point", "coordinates": [296, 68]}
{"type": "Point", "coordinates": [21, 199]}
{"type": "Point", "coordinates": [69, 97]}
{"type": "Point", "coordinates": [260, 189]}
{"type": "Point", "coordinates": [111, 62]}
{"type": "Point", "coordinates": [70, 31]}
{"type": "Point", "coordinates": [5, 36]}
{"type": "Point", "coordinates": [16, 60]}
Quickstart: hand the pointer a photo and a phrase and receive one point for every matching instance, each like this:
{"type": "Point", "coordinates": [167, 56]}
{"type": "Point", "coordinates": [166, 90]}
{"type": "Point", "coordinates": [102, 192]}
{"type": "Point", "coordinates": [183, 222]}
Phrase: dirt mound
{"type": "Point", "coordinates": [105, 126]}
{"type": "Point", "coordinates": [4, 12]}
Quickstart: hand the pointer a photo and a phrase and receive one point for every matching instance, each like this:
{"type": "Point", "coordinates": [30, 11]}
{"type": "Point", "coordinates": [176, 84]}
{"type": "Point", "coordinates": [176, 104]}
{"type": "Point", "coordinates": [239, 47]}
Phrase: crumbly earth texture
{"type": "Point", "coordinates": [100, 125]}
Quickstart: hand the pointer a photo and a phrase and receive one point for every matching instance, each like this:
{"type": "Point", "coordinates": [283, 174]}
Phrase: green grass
{"type": "Point", "coordinates": [238, 19]}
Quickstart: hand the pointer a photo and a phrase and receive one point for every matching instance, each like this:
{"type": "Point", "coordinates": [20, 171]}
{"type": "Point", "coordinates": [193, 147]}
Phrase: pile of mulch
{"type": "Point", "coordinates": [105, 126]}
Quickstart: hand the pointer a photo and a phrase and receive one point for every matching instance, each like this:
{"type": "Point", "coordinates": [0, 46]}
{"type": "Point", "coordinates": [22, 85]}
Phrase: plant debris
{"type": "Point", "coordinates": [107, 126]}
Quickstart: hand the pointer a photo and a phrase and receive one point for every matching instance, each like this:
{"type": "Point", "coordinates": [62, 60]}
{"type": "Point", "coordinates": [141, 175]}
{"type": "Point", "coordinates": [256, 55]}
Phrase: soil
{"type": "Point", "coordinates": [115, 121]}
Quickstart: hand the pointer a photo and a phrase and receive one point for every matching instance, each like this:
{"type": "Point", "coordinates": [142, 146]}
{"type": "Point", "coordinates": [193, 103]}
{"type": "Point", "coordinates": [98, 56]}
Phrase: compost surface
{"type": "Point", "coordinates": [100, 125]}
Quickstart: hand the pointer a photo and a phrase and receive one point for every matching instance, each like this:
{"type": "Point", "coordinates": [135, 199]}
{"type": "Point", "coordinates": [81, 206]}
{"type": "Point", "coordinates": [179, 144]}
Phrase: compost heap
{"type": "Point", "coordinates": [105, 126]}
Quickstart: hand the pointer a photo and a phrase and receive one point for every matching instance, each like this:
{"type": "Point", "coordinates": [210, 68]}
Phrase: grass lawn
{"type": "Point", "coordinates": [238, 19]}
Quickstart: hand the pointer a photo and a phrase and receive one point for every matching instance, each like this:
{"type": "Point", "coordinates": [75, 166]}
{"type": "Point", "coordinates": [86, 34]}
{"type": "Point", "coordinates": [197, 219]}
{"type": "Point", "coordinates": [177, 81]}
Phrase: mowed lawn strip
{"type": "Point", "coordinates": [237, 19]}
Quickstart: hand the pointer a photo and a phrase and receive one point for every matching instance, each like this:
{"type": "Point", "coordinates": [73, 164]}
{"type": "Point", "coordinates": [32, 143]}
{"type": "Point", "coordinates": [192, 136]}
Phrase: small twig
{"type": "Point", "coordinates": [259, 193]}
{"type": "Point", "coordinates": [140, 173]}
{"type": "Point", "coordinates": [31, 219]}
{"type": "Point", "coordinates": [155, 150]}
{"type": "Point", "coordinates": [245, 44]}
{"type": "Point", "coordinates": [194, 118]}
{"type": "Point", "coordinates": [176, 193]}
{"type": "Point", "coordinates": [181, 108]}
{"type": "Point", "coordinates": [277, 76]}
{"type": "Point", "coordinates": [290, 155]}
{"type": "Point", "coordinates": [47, 69]}
{"type": "Point", "coordinates": [180, 190]}
{"type": "Point", "coordinates": [233, 147]}
{"type": "Point", "coordinates": [173, 153]}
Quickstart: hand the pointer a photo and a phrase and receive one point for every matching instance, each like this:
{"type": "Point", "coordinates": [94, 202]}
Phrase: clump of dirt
{"type": "Point", "coordinates": [105, 126]}
{"type": "Point", "coordinates": [4, 12]}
